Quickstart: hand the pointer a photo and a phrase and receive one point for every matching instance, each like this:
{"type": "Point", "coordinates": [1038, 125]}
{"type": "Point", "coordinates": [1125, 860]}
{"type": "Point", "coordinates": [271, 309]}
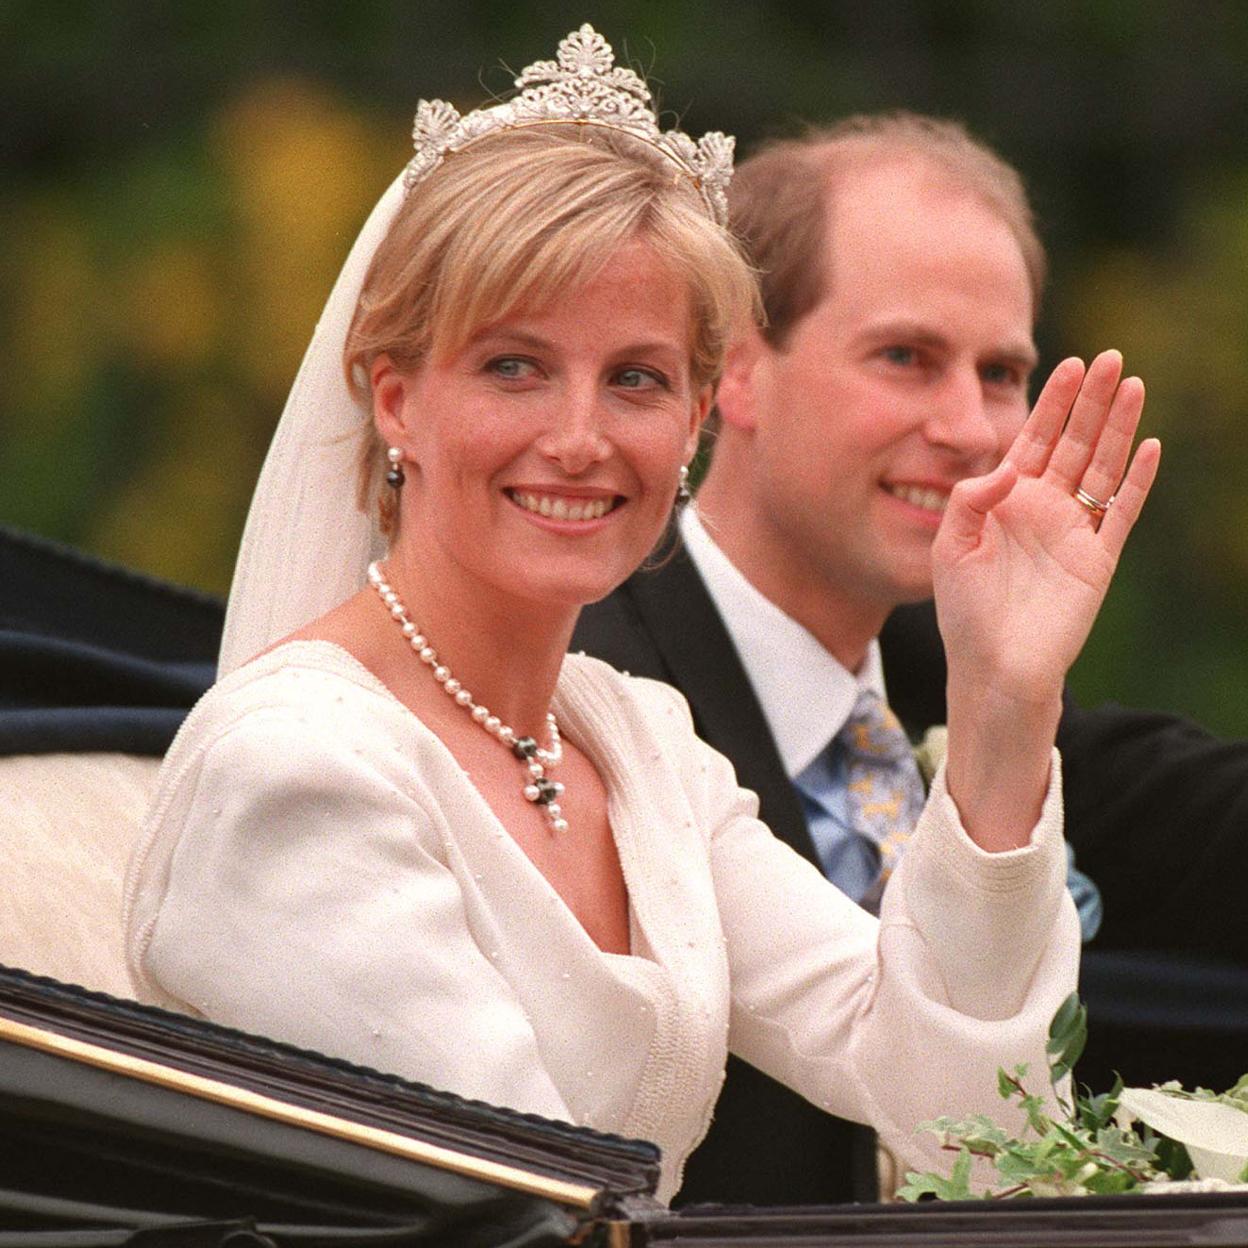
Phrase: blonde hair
{"type": "Point", "coordinates": [781, 199]}
{"type": "Point", "coordinates": [520, 218]}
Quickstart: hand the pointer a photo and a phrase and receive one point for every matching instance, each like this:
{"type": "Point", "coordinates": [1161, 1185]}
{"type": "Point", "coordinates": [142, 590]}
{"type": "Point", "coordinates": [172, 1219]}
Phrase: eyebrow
{"type": "Point", "coordinates": [517, 336]}
{"type": "Point", "coordinates": [522, 338]}
{"type": "Point", "coordinates": [1020, 354]}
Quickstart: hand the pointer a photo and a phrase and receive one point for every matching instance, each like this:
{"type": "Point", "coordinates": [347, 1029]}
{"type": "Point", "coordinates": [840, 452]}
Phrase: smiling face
{"type": "Point", "coordinates": [909, 375]}
{"type": "Point", "coordinates": [542, 458]}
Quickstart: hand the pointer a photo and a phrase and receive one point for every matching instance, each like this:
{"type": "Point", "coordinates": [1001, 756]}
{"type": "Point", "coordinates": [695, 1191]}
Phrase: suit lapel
{"type": "Point", "coordinates": [673, 605]}
{"type": "Point", "coordinates": [914, 667]}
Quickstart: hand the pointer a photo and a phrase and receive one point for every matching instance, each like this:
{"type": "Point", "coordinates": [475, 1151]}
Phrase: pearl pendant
{"type": "Point", "coordinates": [537, 789]}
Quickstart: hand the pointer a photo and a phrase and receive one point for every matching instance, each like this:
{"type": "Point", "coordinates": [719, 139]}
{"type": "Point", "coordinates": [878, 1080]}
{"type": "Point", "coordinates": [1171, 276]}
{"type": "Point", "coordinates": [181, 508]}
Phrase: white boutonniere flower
{"type": "Point", "coordinates": [930, 752]}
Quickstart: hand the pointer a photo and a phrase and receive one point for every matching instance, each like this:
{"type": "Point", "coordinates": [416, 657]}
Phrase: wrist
{"type": "Point", "coordinates": [999, 756]}
{"type": "Point", "coordinates": [971, 700]}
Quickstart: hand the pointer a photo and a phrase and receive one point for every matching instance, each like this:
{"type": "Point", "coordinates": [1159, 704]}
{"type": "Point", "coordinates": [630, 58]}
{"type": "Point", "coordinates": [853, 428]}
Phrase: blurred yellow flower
{"type": "Point", "coordinates": [168, 306]}
{"type": "Point", "coordinates": [302, 172]}
{"type": "Point", "coordinates": [58, 332]}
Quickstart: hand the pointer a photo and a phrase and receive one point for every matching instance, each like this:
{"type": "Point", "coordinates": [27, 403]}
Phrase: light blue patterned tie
{"type": "Point", "coordinates": [884, 791]}
{"type": "Point", "coordinates": [866, 782]}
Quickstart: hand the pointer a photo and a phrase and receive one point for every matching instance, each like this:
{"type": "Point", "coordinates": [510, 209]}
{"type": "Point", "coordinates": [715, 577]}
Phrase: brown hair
{"type": "Point", "coordinates": [781, 196]}
{"type": "Point", "coordinates": [518, 219]}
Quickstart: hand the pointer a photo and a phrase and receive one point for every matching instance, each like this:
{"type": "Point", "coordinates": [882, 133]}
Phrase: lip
{"type": "Point", "coordinates": [563, 510]}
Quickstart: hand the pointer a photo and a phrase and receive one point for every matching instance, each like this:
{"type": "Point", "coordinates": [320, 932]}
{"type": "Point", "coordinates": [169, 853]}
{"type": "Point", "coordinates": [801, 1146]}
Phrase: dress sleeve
{"type": "Point", "coordinates": [898, 1020]}
{"type": "Point", "coordinates": [303, 894]}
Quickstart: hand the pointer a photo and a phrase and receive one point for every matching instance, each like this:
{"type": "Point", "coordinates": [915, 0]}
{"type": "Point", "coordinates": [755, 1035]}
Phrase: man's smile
{"type": "Point", "coordinates": [929, 498]}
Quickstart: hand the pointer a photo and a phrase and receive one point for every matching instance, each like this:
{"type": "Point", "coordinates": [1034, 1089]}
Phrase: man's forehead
{"type": "Point", "coordinates": [907, 247]}
{"type": "Point", "coordinates": [902, 182]}
{"type": "Point", "coordinates": [902, 200]}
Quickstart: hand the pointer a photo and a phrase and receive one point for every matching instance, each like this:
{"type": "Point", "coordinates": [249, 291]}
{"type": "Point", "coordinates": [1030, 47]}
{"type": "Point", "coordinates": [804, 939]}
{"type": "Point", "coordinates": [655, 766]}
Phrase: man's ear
{"type": "Point", "coordinates": [390, 390]}
{"type": "Point", "coordinates": [735, 399]}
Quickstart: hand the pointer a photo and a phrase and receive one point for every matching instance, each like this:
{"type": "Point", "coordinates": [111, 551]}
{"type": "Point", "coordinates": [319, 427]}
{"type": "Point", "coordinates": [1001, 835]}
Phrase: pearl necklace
{"type": "Point", "coordinates": [537, 787]}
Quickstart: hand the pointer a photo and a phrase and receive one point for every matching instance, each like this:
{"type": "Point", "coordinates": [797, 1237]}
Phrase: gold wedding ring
{"type": "Point", "coordinates": [1094, 505]}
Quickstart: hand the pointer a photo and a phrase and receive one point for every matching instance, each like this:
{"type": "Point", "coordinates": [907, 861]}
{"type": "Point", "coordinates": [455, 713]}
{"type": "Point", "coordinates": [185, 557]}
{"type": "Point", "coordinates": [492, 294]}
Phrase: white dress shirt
{"type": "Point", "coordinates": [806, 696]}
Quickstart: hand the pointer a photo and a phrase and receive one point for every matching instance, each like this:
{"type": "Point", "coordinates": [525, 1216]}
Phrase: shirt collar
{"type": "Point", "coordinates": [805, 693]}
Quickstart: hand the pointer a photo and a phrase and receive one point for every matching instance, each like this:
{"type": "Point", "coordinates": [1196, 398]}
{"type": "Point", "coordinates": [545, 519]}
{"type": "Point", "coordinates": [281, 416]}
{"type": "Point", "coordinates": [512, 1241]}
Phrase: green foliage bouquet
{"type": "Point", "coordinates": [1123, 1140]}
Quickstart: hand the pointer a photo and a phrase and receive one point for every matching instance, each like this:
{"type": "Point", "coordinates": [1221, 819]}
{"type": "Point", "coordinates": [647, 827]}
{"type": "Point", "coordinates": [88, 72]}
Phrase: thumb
{"type": "Point", "coordinates": [972, 500]}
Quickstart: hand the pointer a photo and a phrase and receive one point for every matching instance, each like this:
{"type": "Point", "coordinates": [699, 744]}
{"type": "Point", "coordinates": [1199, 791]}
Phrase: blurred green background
{"type": "Point", "coordinates": [181, 182]}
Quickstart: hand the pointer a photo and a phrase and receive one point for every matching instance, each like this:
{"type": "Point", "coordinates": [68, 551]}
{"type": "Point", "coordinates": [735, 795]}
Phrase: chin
{"type": "Point", "coordinates": [571, 591]}
{"type": "Point", "coordinates": [918, 589]}
{"type": "Point", "coordinates": [578, 580]}
{"type": "Point", "coordinates": [907, 580]}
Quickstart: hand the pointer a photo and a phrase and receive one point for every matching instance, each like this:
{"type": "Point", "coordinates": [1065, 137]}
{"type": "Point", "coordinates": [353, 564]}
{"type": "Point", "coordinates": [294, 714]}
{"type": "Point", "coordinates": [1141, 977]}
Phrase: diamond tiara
{"type": "Point", "coordinates": [583, 86]}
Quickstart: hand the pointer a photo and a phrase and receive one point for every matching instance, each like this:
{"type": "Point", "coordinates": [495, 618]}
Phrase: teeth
{"type": "Point", "coordinates": [561, 509]}
{"type": "Point", "coordinates": [929, 500]}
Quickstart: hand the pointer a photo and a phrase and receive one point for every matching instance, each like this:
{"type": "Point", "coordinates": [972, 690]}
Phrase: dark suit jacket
{"type": "Point", "coordinates": [1156, 809]}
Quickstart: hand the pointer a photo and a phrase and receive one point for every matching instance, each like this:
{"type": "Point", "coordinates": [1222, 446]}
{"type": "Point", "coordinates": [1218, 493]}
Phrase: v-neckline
{"type": "Point", "coordinates": [568, 714]}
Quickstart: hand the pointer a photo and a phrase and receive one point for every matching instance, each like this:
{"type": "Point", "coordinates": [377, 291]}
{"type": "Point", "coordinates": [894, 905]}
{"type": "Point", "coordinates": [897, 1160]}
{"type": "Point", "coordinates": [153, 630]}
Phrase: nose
{"type": "Point", "coordinates": [574, 437]}
{"type": "Point", "coordinates": [960, 419]}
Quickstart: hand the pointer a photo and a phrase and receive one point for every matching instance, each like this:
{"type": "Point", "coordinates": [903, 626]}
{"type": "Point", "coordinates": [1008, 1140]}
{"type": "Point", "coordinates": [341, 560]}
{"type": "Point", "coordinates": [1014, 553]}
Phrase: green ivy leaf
{"type": "Point", "coordinates": [1037, 1119]}
{"type": "Point", "coordinates": [956, 1187]}
{"type": "Point", "coordinates": [1110, 1182]}
{"type": "Point", "coordinates": [1022, 1164]}
{"type": "Point", "coordinates": [1071, 1136]}
{"type": "Point", "coordinates": [919, 1185]}
{"type": "Point", "coordinates": [1097, 1111]}
{"type": "Point", "coordinates": [977, 1133]}
{"type": "Point", "coordinates": [1172, 1157]}
{"type": "Point", "coordinates": [1125, 1147]}
{"type": "Point", "coordinates": [1068, 1033]}
{"type": "Point", "coordinates": [1065, 1018]}
{"type": "Point", "coordinates": [1086, 1151]}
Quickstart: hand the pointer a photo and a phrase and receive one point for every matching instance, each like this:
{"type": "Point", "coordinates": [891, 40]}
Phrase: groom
{"type": "Point", "coordinates": [901, 278]}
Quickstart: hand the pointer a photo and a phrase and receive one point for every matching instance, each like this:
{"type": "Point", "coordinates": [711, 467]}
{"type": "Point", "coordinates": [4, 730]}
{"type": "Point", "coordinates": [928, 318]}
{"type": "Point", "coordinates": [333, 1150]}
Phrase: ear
{"type": "Point", "coordinates": [735, 398]}
{"type": "Point", "coordinates": [391, 389]}
{"type": "Point", "coordinates": [697, 416]}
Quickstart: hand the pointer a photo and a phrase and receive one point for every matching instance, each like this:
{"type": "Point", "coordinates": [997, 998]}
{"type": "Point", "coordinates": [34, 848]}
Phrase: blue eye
{"type": "Point", "coordinates": [1001, 375]}
{"type": "Point", "coordinates": [511, 367]}
{"type": "Point", "coordinates": [639, 379]}
{"type": "Point", "coordinates": [903, 356]}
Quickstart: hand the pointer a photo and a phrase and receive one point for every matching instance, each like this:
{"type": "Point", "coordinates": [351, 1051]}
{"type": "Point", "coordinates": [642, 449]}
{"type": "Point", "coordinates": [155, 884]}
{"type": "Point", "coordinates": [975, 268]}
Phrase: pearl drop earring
{"type": "Point", "coordinates": [394, 474]}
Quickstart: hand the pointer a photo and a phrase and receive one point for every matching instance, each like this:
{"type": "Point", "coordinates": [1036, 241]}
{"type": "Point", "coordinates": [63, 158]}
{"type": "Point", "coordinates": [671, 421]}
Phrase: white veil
{"type": "Point", "coordinates": [306, 545]}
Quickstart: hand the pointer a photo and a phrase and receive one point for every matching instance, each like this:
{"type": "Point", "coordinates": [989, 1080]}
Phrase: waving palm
{"type": "Point", "coordinates": [1021, 565]}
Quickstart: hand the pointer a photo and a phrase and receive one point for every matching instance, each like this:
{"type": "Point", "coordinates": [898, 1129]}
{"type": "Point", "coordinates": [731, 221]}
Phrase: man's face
{"type": "Point", "coordinates": [910, 374]}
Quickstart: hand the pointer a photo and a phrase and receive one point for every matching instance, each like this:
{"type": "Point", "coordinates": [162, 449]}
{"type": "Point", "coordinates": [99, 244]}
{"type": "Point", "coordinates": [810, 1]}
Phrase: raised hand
{"type": "Point", "coordinates": [1021, 565]}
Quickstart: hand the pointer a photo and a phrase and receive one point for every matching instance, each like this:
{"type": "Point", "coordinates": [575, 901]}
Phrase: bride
{"type": "Point", "coordinates": [405, 829]}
